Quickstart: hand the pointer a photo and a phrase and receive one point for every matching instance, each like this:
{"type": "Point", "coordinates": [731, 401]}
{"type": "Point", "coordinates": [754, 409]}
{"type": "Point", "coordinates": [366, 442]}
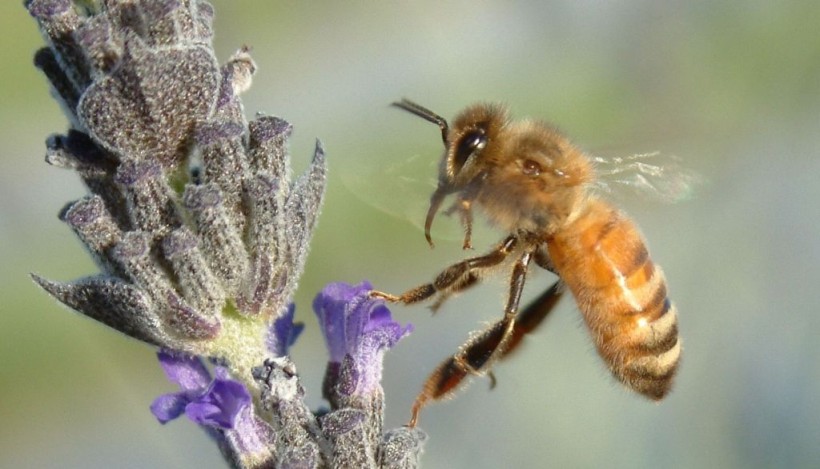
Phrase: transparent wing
{"type": "Point", "coordinates": [402, 189]}
{"type": "Point", "coordinates": [656, 176]}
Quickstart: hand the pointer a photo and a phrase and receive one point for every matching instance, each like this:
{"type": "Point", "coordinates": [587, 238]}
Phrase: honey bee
{"type": "Point", "coordinates": [530, 181]}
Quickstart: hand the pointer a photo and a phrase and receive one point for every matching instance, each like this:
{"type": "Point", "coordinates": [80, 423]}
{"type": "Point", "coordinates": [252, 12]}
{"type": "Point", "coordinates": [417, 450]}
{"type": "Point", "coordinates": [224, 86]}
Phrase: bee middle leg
{"type": "Point", "coordinates": [454, 278]}
{"type": "Point", "coordinates": [507, 324]}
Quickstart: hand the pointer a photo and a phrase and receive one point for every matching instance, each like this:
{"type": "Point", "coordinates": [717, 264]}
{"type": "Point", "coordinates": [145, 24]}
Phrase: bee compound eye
{"type": "Point", "coordinates": [470, 144]}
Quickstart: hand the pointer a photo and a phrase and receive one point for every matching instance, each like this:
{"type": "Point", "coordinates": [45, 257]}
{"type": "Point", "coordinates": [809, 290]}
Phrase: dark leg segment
{"type": "Point", "coordinates": [506, 325]}
{"type": "Point", "coordinates": [477, 354]}
{"type": "Point", "coordinates": [464, 283]}
{"type": "Point", "coordinates": [532, 317]}
{"type": "Point", "coordinates": [455, 277]}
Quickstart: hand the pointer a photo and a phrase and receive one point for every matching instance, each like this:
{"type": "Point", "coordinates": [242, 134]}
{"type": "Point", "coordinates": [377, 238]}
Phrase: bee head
{"type": "Point", "coordinates": [467, 145]}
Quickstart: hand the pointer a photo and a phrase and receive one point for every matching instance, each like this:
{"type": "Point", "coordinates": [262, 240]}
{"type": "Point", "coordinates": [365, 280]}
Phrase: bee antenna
{"type": "Point", "coordinates": [425, 114]}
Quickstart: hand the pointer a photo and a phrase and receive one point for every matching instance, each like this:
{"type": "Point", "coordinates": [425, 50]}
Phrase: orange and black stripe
{"type": "Point", "coordinates": [602, 258]}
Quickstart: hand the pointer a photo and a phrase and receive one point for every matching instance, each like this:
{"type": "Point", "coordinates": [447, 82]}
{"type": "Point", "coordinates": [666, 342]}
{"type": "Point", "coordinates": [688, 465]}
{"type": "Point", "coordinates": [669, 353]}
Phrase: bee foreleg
{"type": "Point", "coordinates": [454, 278]}
{"type": "Point", "coordinates": [466, 212]}
{"type": "Point", "coordinates": [464, 207]}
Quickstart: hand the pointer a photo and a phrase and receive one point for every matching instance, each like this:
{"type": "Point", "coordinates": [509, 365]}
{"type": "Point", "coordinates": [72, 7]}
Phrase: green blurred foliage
{"type": "Point", "coordinates": [733, 89]}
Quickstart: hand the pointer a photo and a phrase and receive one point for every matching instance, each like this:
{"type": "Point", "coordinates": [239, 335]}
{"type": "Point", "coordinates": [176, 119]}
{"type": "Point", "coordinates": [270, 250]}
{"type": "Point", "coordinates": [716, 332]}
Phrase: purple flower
{"type": "Point", "coordinates": [358, 330]}
{"type": "Point", "coordinates": [215, 403]}
{"type": "Point", "coordinates": [284, 332]}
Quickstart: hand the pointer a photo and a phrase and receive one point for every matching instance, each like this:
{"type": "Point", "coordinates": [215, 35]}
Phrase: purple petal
{"type": "Point", "coordinates": [370, 356]}
{"type": "Point", "coordinates": [185, 370]}
{"type": "Point", "coordinates": [295, 331]}
{"type": "Point", "coordinates": [284, 332]}
{"type": "Point", "coordinates": [220, 405]}
{"type": "Point", "coordinates": [379, 314]}
{"type": "Point", "coordinates": [169, 406]}
{"type": "Point", "coordinates": [252, 435]}
{"type": "Point", "coordinates": [207, 413]}
{"type": "Point", "coordinates": [331, 305]}
{"type": "Point", "coordinates": [357, 315]}
{"type": "Point", "coordinates": [387, 335]}
{"type": "Point", "coordinates": [358, 330]}
{"type": "Point", "coordinates": [220, 372]}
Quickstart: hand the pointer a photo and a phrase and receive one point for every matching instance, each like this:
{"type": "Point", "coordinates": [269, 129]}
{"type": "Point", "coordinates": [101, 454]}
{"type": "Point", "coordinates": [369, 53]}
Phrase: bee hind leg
{"type": "Point", "coordinates": [533, 316]}
{"type": "Point", "coordinates": [477, 356]}
{"type": "Point", "coordinates": [474, 359]}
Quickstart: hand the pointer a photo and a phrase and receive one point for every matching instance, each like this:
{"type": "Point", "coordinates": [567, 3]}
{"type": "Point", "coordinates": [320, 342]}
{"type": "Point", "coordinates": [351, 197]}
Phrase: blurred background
{"type": "Point", "coordinates": [733, 90]}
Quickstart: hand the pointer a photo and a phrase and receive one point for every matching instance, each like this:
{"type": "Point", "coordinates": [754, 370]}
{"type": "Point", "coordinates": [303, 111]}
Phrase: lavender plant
{"type": "Point", "coordinates": [201, 235]}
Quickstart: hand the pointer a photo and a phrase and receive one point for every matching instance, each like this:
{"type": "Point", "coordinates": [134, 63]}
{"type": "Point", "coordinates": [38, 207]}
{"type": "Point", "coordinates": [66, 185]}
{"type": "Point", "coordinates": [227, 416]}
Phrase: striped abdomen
{"type": "Point", "coordinates": [603, 260]}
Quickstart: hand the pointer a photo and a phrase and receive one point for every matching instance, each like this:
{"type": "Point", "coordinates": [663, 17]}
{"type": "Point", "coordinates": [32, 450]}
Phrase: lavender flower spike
{"type": "Point", "coordinates": [284, 332]}
{"type": "Point", "coordinates": [200, 234]}
{"type": "Point", "coordinates": [191, 216]}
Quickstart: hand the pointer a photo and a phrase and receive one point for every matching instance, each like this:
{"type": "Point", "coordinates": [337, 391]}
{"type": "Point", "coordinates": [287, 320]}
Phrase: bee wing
{"type": "Point", "coordinates": [655, 176]}
{"type": "Point", "coordinates": [402, 189]}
